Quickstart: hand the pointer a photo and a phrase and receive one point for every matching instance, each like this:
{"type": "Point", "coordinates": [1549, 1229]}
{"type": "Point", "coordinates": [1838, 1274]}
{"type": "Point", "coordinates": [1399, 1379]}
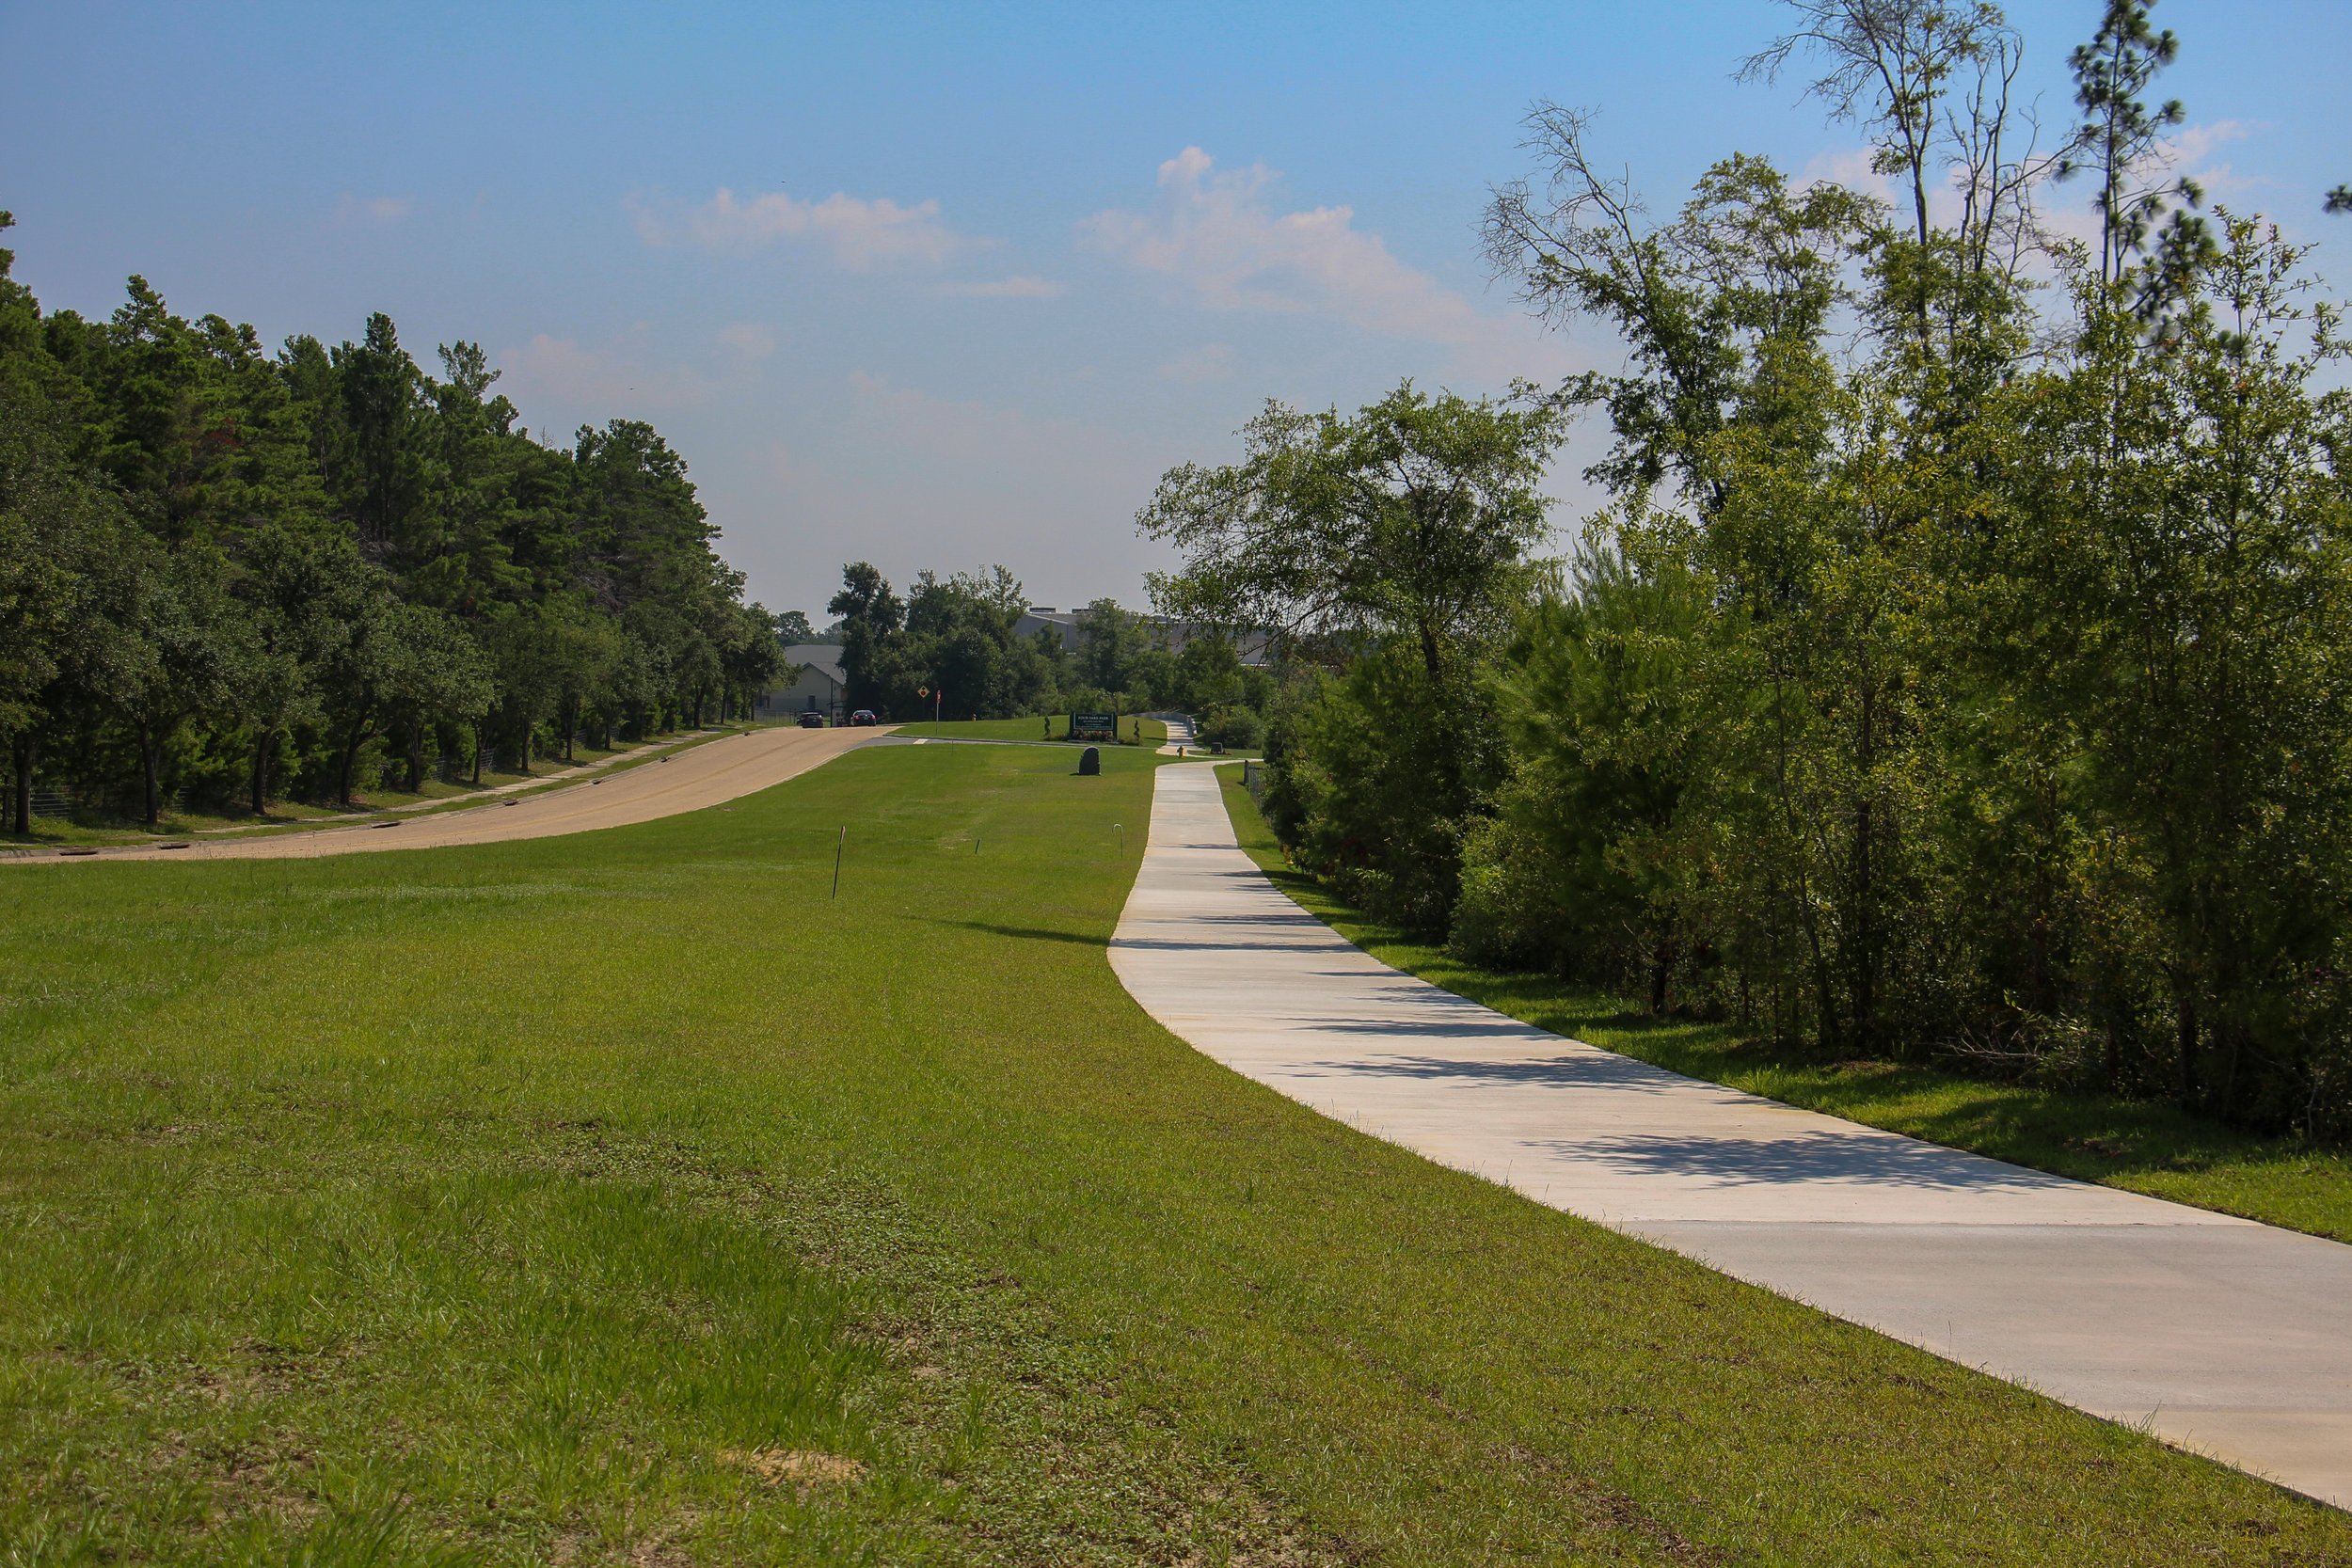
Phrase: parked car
{"type": "Point", "coordinates": [812, 720]}
{"type": "Point", "coordinates": [863, 716]}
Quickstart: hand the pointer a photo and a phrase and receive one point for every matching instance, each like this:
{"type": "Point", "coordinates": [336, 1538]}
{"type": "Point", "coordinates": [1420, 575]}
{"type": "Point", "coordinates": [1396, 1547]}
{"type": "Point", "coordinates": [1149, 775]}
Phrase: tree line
{"type": "Point", "coordinates": [958, 639]}
{"type": "Point", "coordinates": [238, 575]}
{"type": "Point", "coordinates": [1962, 666]}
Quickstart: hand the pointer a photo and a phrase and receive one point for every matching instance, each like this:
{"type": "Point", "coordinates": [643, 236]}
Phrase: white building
{"type": "Point", "coordinates": [815, 670]}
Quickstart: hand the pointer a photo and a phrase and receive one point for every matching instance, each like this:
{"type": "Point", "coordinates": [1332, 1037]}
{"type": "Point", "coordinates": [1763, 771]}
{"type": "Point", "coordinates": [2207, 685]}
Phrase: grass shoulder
{"type": "Point", "coordinates": [1054, 726]}
{"type": "Point", "coordinates": [636, 1198]}
{"type": "Point", "coordinates": [1051, 726]}
{"type": "Point", "coordinates": [2139, 1145]}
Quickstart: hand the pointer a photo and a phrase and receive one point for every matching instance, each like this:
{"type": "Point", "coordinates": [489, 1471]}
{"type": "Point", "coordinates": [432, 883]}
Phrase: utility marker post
{"type": "Point", "coordinates": [840, 845]}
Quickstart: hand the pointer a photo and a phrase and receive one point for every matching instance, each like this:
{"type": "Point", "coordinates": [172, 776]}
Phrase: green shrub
{"type": "Point", "coordinates": [1231, 726]}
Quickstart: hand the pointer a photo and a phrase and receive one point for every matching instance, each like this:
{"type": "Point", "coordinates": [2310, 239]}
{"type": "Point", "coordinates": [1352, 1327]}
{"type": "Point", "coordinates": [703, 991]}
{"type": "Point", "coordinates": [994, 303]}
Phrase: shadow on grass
{"type": "Point", "coordinates": [2136, 1144]}
{"type": "Point", "coordinates": [2142, 1146]}
{"type": "Point", "coordinates": [1026, 933]}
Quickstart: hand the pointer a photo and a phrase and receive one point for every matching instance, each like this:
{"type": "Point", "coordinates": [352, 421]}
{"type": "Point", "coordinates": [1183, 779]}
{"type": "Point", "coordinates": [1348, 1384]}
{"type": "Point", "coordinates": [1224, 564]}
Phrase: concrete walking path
{"type": "Point", "coordinates": [711, 774]}
{"type": "Point", "coordinates": [2217, 1333]}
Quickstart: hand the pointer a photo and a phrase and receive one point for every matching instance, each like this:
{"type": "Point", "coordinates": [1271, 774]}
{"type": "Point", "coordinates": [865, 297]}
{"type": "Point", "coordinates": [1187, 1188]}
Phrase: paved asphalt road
{"type": "Point", "coordinates": [705, 775]}
{"type": "Point", "coordinates": [2218, 1334]}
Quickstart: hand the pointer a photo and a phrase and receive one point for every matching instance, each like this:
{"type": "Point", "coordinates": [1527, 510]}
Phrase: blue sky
{"type": "Point", "coordinates": [932, 285]}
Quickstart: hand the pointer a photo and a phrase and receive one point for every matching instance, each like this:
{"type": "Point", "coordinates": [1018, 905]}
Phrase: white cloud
{"type": "Point", "coordinates": [2196, 143]}
{"type": "Point", "coordinates": [861, 234]}
{"type": "Point", "coordinates": [600, 384]}
{"type": "Point", "coordinates": [2065, 209]}
{"type": "Point", "coordinates": [907, 477]}
{"type": "Point", "coordinates": [2192, 153]}
{"type": "Point", "coordinates": [1017, 287]}
{"type": "Point", "coordinates": [967, 431]}
{"type": "Point", "coordinates": [747, 340]}
{"type": "Point", "coordinates": [1216, 232]}
{"type": "Point", "coordinates": [372, 209]}
{"type": "Point", "coordinates": [775, 463]}
{"type": "Point", "coordinates": [1850, 166]}
{"type": "Point", "coordinates": [1209, 362]}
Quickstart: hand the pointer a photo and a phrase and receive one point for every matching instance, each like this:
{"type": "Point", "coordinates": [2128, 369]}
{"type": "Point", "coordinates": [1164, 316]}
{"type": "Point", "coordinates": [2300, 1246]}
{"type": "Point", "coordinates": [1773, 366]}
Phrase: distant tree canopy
{"type": "Point", "coordinates": [953, 646]}
{"type": "Point", "coordinates": [228, 572]}
{"type": "Point", "coordinates": [1395, 543]}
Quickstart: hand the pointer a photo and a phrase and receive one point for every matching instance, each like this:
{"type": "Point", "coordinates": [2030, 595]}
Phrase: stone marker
{"type": "Point", "coordinates": [1089, 762]}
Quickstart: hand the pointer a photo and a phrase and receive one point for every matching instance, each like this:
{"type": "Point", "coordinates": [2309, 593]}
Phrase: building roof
{"type": "Point", "coordinates": [826, 656]}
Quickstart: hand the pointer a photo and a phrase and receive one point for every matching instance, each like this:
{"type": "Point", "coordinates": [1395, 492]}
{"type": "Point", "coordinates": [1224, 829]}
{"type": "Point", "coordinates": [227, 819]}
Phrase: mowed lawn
{"type": "Point", "coordinates": [992, 729]}
{"type": "Point", "coordinates": [2149, 1147]}
{"type": "Point", "coordinates": [1054, 726]}
{"type": "Point", "coordinates": [627, 1197]}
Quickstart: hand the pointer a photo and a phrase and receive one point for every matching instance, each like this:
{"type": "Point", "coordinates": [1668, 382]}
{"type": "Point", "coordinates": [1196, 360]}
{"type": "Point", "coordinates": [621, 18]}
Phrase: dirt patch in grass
{"type": "Point", "coordinates": [804, 1468]}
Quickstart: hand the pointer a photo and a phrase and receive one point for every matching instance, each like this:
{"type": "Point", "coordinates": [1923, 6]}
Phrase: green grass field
{"type": "Point", "coordinates": [2143, 1145]}
{"type": "Point", "coordinates": [994, 729]}
{"type": "Point", "coordinates": [1034, 728]}
{"type": "Point", "coordinates": [629, 1198]}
